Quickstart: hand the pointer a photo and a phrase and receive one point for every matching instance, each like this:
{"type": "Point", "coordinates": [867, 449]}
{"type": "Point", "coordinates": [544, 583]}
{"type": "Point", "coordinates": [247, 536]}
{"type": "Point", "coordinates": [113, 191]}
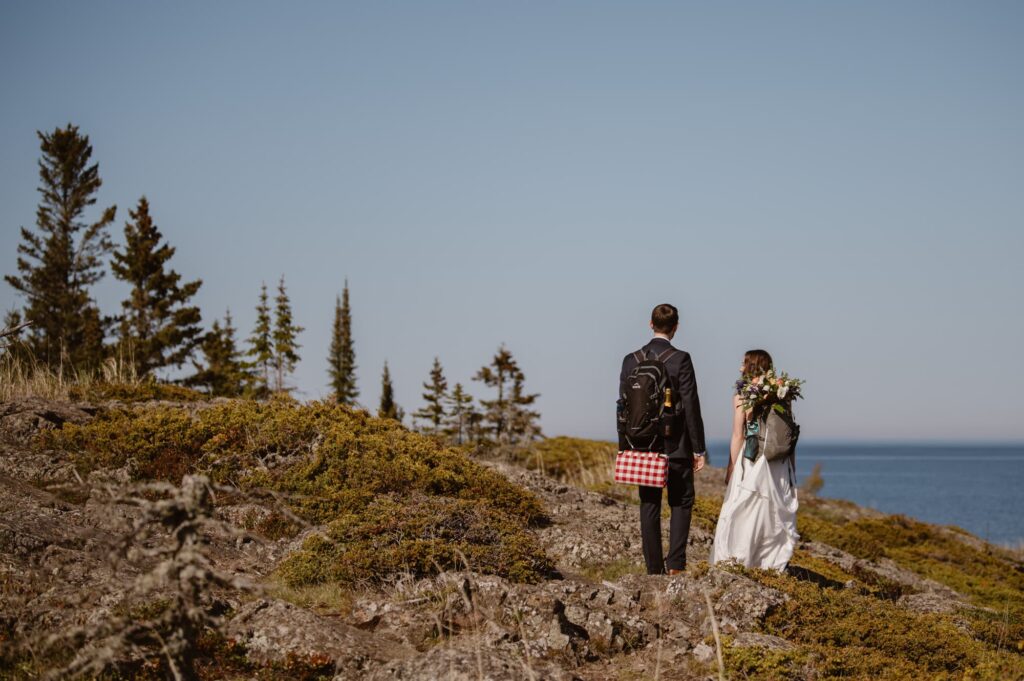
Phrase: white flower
{"type": "Point", "coordinates": [782, 392]}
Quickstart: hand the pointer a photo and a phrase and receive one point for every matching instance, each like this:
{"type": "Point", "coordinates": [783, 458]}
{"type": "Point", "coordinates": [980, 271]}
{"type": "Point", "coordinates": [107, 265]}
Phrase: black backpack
{"type": "Point", "coordinates": [643, 402]}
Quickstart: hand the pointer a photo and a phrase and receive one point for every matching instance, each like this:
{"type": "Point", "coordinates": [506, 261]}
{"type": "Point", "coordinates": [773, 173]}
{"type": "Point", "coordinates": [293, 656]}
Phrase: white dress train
{"type": "Point", "coordinates": [757, 524]}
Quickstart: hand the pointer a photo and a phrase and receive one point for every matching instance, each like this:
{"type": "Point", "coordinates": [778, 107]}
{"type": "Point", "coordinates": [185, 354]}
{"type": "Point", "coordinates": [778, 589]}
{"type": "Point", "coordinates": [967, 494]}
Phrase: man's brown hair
{"type": "Point", "coordinates": [664, 318]}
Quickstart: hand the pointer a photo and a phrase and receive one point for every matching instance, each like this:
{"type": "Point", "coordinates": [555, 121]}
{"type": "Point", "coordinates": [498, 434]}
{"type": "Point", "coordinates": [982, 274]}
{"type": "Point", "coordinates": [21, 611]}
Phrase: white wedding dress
{"type": "Point", "coordinates": [757, 524]}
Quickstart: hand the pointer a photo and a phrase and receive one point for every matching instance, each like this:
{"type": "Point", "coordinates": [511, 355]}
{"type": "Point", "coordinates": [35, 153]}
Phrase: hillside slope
{"type": "Point", "coordinates": [347, 547]}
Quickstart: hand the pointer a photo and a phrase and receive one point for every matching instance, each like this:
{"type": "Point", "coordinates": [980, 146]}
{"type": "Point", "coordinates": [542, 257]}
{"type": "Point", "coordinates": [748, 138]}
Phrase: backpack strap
{"type": "Point", "coordinates": [665, 355]}
{"type": "Point", "coordinates": [642, 354]}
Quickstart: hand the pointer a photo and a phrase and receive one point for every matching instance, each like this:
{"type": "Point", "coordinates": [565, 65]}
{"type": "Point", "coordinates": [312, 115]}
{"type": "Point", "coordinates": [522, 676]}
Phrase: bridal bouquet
{"type": "Point", "coordinates": [768, 390]}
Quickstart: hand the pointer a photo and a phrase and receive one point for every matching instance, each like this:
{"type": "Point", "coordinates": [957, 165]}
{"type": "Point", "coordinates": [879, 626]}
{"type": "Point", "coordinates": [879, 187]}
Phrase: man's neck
{"type": "Point", "coordinates": [663, 337]}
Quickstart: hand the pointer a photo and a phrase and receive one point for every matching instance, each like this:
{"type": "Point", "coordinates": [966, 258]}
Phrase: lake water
{"type": "Point", "coordinates": [977, 487]}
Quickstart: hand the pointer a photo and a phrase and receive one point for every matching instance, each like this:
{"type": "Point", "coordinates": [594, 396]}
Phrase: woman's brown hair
{"type": "Point", "coordinates": [756, 363]}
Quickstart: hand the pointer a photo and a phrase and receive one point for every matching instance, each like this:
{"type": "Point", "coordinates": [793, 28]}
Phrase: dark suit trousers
{"type": "Point", "coordinates": [680, 500]}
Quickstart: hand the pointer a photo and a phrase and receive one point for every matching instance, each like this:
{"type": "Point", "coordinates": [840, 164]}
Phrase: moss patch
{"type": "Point", "coordinates": [419, 536]}
{"type": "Point", "coordinates": [615, 569]}
{"type": "Point", "coordinates": [705, 511]}
{"type": "Point", "coordinates": [851, 634]}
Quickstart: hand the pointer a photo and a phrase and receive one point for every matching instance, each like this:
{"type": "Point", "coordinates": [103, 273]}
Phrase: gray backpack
{"type": "Point", "coordinates": [778, 435]}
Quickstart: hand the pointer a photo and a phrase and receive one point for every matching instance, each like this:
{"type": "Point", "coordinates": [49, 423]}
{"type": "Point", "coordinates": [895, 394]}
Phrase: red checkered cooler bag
{"type": "Point", "coordinates": [649, 469]}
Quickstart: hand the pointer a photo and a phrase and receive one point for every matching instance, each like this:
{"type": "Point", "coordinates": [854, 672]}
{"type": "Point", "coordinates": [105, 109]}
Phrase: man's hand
{"type": "Point", "coordinates": [698, 462]}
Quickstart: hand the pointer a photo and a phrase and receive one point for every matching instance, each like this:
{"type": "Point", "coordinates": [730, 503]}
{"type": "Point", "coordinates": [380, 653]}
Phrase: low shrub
{"type": "Point", "coordinates": [417, 536]}
{"type": "Point", "coordinates": [569, 459]}
{"type": "Point", "coordinates": [143, 391]}
{"type": "Point", "coordinates": [852, 634]}
{"type": "Point", "coordinates": [990, 576]}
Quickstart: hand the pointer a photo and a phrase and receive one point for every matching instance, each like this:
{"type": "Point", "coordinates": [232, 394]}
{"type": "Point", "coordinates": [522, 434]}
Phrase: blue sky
{"type": "Point", "coordinates": [838, 183]}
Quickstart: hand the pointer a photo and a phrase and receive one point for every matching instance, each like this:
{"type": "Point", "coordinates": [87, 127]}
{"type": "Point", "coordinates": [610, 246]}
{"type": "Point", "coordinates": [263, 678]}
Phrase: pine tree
{"type": "Point", "coordinates": [224, 373]}
{"type": "Point", "coordinates": [285, 334]}
{"type": "Point", "coordinates": [388, 408]}
{"type": "Point", "coordinates": [261, 346]}
{"type": "Point", "coordinates": [342, 358]}
{"type": "Point", "coordinates": [436, 393]}
{"type": "Point", "coordinates": [158, 327]}
{"type": "Point", "coordinates": [499, 375]}
{"type": "Point", "coordinates": [523, 421]}
{"type": "Point", "coordinates": [342, 355]}
{"type": "Point", "coordinates": [460, 415]}
{"type": "Point", "coordinates": [63, 258]}
{"type": "Point", "coordinates": [476, 431]}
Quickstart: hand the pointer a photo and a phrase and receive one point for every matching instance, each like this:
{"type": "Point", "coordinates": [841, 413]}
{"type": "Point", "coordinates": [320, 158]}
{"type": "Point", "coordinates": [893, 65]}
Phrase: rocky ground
{"type": "Point", "coordinates": [600, 620]}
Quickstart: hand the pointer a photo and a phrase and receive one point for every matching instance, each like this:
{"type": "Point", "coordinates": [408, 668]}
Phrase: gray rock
{"type": "Point", "coordinates": [932, 602]}
{"type": "Point", "coordinates": [276, 631]}
{"type": "Point", "coordinates": [20, 420]}
{"type": "Point", "coordinates": [750, 639]}
{"type": "Point", "coordinates": [469, 660]}
{"type": "Point", "coordinates": [703, 652]}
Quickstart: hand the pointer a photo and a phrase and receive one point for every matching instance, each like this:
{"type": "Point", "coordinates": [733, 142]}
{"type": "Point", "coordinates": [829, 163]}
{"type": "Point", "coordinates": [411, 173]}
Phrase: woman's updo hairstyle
{"type": "Point", "coordinates": [756, 363]}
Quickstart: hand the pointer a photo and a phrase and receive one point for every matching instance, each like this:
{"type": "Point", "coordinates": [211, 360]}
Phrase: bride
{"type": "Point", "coordinates": [757, 524]}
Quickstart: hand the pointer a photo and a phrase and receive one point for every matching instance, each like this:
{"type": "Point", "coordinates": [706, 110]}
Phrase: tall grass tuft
{"type": "Point", "coordinates": [22, 377]}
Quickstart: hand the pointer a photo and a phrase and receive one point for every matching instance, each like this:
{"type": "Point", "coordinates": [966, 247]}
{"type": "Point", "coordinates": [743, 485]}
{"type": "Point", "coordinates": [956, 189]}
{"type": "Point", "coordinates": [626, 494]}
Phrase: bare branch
{"type": "Point", "coordinates": [14, 330]}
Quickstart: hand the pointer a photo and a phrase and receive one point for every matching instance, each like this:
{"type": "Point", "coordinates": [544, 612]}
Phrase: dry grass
{"type": "Point", "coordinates": [115, 380]}
{"type": "Point", "coordinates": [23, 378]}
{"type": "Point", "coordinates": [329, 598]}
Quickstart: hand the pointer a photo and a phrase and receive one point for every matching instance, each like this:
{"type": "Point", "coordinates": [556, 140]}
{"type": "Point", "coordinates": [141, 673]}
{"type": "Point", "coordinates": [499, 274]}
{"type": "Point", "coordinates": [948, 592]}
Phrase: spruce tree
{"type": "Point", "coordinates": [388, 408]}
{"type": "Point", "coordinates": [523, 421]}
{"type": "Point", "coordinates": [436, 392]}
{"type": "Point", "coordinates": [63, 257]}
{"type": "Point", "coordinates": [459, 415]}
{"type": "Point", "coordinates": [224, 373]}
{"type": "Point", "coordinates": [476, 430]}
{"type": "Point", "coordinates": [261, 346]}
{"type": "Point", "coordinates": [285, 338]}
{"type": "Point", "coordinates": [342, 357]}
{"type": "Point", "coordinates": [158, 326]}
{"type": "Point", "coordinates": [499, 375]}
{"type": "Point", "coordinates": [341, 360]}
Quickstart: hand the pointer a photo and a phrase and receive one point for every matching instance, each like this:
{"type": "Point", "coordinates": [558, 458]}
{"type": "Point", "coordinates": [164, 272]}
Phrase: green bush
{"type": "Point", "coordinates": [417, 536]}
{"type": "Point", "coordinates": [856, 634]}
{"type": "Point", "coordinates": [569, 458]}
{"type": "Point", "coordinates": [993, 578]}
{"type": "Point", "coordinates": [143, 391]}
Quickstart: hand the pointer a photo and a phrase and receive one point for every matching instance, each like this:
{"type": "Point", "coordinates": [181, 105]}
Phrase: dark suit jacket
{"type": "Point", "coordinates": [689, 424]}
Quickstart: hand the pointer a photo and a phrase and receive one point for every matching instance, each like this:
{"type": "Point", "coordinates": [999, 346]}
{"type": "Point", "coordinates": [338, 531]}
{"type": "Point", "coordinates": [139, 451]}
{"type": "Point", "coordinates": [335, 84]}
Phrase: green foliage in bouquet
{"type": "Point", "coordinates": [771, 389]}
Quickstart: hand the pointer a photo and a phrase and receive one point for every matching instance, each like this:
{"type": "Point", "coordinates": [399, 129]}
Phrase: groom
{"type": "Point", "coordinates": [684, 447]}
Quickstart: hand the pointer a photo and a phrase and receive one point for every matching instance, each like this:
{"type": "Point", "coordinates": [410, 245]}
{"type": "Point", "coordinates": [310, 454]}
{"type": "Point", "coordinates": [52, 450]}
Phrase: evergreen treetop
{"type": "Point", "coordinates": [433, 412]}
{"type": "Point", "coordinates": [261, 344]}
{"type": "Point", "coordinates": [388, 409]}
{"type": "Point", "coordinates": [285, 337]}
{"type": "Point", "coordinates": [508, 414]}
{"type": "Point", "coordinates": [342, 357]}
{"type": "Point", "coordinates": [63, 257]}
{"type": "Point", "coordinates": [157, 326]}
{"type": "Point", "coordinates": [224, 373]}
{"type": "Point", "coordinates": [524, 420]}
{"type": "Point", "coordinates": [459, 415]}
{"type": "Point", "coordinates": [498, 375]}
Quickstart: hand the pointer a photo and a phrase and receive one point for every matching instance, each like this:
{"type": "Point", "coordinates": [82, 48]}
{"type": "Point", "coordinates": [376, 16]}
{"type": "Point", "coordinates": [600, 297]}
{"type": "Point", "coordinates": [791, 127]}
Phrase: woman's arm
{"type": "Point", "coordinates": [739, 418]}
